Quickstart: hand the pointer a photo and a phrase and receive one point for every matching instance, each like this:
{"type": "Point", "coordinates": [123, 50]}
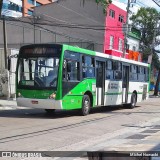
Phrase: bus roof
{"type": "Point", "coordinates": [88, 52]}
{"type": "Point", "coordinates": [99, 54]}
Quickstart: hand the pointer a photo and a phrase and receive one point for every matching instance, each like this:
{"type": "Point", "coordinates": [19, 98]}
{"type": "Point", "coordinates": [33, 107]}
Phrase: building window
{"type": "Point", "coordinates": [111, 13]}
{"type": "Point", "coordinates": [5, 6]}
{"type": "Point", "coordinates": [38, 4]}
{"type": "Point", "coordinates": [31, 2]}
{"type": "Point", "coordinates": [127, 46]}
{"type": "Point", "coordinates": [134, 48]}
{"type": "Point", "coordinates": [111, 42]}
{"type": "Point", "coordinates": [12, 6]}
{"type": "Point", "coordinates": [120, 44]}
{"type": "Point", "coordinates": [30, 12]}
{"type": "Point", "coordinates": [121, 18]}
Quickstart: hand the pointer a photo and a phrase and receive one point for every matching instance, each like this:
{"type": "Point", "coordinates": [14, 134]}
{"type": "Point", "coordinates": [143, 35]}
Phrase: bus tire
{"type": "Point", "coordinates": [50, 111]}
{"type": "Point", "coordinates": [133, 101]}
{"type": "Point", "coordinates": [86, 105]}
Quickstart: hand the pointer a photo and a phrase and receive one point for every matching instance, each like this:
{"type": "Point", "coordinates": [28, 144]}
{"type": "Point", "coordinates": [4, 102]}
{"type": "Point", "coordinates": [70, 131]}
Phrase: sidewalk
{"type": "Point", "coordinates": [8, 104]}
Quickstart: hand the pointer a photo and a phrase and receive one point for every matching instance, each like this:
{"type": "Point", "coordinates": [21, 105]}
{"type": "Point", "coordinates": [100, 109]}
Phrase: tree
{"type": "Point", "coordinates": [104, 3]}
{"type": "Point", "coordinates": [146, 19]}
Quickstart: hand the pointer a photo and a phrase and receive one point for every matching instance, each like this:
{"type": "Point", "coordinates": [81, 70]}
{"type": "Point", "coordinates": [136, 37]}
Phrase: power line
{"type": "Point", "coordinates": [78, 26]}
{"type": "Point", "coordinates": [157, 2]}
{"type": "Point", "coordinates": [61, 34]}
{"type": "Point", "coordinates": [142, 3]}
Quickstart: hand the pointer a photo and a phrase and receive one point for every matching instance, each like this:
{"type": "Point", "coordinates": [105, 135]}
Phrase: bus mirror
{"type": "Point", "coordinates": [9, 63]}
{"type": "Point", "coordinates": [68, 67]}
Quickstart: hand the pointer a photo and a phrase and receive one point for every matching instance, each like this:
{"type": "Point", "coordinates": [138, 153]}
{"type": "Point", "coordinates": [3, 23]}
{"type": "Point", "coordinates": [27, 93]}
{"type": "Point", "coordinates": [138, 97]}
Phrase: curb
{"type": "Point", "coordinates": [8, 105]}
{"type": "Point", "coordinates": [152, 96]}
{"type": "Point", "coordinates": [11, 107]}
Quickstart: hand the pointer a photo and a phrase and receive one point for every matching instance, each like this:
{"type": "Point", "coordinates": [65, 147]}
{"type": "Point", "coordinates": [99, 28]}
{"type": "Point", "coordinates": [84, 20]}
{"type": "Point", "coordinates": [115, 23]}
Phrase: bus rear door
{"type": "Point", "coordinates": [100, 82]}
{"type": "Point", "coordinates": [125, 83]}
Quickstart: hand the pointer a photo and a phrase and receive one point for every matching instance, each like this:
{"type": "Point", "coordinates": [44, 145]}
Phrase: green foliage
{"type": "Point", "coordinates": [104, 3]}
{"type": "Point", "coordinates": [146, 20]}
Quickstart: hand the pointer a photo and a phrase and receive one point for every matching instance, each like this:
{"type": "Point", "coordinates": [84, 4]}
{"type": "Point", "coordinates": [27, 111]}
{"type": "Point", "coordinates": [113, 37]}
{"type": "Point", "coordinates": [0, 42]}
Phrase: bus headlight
{"type": "Point", "coordinates": [19, 94]}
{"type": "Point", "coordinates": [52, 96]}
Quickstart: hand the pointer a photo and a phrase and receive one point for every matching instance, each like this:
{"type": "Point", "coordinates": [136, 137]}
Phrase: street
{"type": "Point", "coordinates": [107, 128]}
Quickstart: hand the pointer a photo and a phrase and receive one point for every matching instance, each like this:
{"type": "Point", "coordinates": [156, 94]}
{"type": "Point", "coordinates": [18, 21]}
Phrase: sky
{"type": "Point", "coordinates": [143, 3]}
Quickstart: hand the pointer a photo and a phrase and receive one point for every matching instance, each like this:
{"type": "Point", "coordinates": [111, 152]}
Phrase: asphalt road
{"type": "Point", "coordinates": [107, 128]}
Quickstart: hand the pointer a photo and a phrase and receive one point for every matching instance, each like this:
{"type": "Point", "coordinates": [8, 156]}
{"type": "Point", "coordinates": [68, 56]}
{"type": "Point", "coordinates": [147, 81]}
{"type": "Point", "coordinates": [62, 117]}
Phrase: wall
{"type": "Point", "coordinates": [114, 27]}
{"type": "Point", "coordinates": [21, 32]}
{"type": "Point", "coordinates": [74, 13]}
{"type": "Point", "coordinates": [3, 75]}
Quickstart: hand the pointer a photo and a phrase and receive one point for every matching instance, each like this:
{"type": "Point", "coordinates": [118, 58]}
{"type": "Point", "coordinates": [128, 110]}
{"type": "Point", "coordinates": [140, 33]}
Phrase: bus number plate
{"type": "Point", "coordinates": [34, 102]}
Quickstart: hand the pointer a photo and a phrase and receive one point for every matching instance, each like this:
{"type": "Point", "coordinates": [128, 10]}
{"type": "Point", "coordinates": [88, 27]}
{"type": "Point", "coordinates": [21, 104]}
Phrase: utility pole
{"type": "Point", "coordinates": [5, 42]}
{"type": "Point", "coordinates": [35, 19]}
{"type": "Point", "coordinates": [126, 30]}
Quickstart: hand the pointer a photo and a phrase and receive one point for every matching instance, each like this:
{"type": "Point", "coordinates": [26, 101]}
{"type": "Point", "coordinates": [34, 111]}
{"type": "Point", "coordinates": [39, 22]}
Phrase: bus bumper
{"type": "Point", "coordinates": [39, 103]}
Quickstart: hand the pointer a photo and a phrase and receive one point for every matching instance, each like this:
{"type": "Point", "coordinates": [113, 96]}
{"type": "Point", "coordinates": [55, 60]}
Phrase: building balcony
{"type": "Point", "coordinates": [134, 55]}
{"type": "Point", "coordinates": [116, 53]}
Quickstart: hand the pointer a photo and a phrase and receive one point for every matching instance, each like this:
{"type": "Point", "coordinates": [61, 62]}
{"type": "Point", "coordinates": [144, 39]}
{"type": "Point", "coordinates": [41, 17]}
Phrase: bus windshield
{"type": "Point", "coordinates": [38, 72]}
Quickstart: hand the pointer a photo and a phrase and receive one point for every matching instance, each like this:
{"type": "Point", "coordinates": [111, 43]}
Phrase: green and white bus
{"type": "Point", "coordinates": [54, 76]}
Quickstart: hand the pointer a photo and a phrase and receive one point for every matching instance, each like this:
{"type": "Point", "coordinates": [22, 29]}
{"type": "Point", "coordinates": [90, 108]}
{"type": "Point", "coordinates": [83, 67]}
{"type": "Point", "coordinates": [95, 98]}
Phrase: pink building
{"type": "Point", "coordinates": [114, 36]}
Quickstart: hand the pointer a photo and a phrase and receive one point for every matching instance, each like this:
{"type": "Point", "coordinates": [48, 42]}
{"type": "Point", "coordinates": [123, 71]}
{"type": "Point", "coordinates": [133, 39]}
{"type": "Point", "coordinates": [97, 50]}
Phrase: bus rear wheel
{"type": "Point", "coordinates": [133, 101]}
{"type": "Point", "coordinates": [50, 111]}
{"type": "Point", "coordinates": [86, 105]}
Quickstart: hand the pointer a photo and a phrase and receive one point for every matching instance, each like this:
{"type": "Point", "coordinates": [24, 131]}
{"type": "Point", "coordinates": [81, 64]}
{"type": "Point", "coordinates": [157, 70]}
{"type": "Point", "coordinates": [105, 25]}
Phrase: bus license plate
{"type": "Point", "coordinates": [34, 102]}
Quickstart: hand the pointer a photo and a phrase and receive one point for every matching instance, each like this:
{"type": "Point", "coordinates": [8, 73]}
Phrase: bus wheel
{"type": "Point", "coordinates": [50, 111]}
{"type": "Point", "coordinates": [86, 105]}
{"type": "Point", "coordinates": [133, 101]}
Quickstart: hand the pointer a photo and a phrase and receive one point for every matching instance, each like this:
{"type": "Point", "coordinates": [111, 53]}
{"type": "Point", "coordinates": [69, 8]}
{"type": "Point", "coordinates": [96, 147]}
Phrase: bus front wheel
{"type": "Point", "coordinates": [86, 105]}
{"type": "Point", "coordinates": [133, 101]}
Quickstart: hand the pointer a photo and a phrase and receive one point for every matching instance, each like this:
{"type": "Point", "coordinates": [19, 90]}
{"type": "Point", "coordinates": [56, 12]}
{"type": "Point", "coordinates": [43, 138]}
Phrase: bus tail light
{"type": "Point", "coordinates": [52, 96]}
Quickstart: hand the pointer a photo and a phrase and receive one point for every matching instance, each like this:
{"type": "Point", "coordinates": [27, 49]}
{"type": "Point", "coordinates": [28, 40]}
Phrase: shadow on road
{"type": "Point", "coordinates": [40, 113]}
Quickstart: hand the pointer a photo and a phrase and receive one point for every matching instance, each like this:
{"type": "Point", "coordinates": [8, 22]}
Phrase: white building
{"type": "Point", "coordinates": [12, 8]}
{"type": "Point", "coordinates": [133, 39]}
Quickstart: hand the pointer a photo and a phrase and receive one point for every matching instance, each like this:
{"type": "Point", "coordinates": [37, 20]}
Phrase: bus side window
{"type": "Point", "coordinates": [137, 73]}
{"type": "Point", "coordinates": [71, 66]}
{"type": "Point", "coordinates": [141, 74]}
{"type": "Point", "coordinates": [72, 71]}
{"type": "Point", "coordinates": [88, 67]}
{"type": "Point", "coordinates": [146, 74]}
{"type": "Point", "coordinates": [117, 70]}
{"type": "Point", "coordinates": [133, 72]}
{"type": "Point", "coordinates": [109, 71]}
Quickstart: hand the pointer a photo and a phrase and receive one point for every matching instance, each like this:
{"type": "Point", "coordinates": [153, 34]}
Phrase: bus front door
{"type": "Point", "coordinates": [125, 84]}
{"type": "Point", "coordinates": [100, 82]}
